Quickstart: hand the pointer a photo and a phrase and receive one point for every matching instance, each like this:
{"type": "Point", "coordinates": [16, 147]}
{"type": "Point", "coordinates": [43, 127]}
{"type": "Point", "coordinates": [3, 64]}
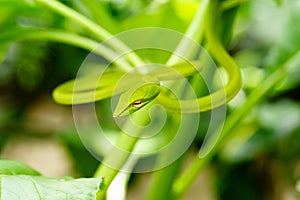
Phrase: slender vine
{"type": "Point", "coordinates": [183, 182]}
{"type": "Point", "coordinates": [67, 38]}
{"type": "Point", "coordinates": [162, 189]}
{"type": "Point", "coordinates": [93, 28]}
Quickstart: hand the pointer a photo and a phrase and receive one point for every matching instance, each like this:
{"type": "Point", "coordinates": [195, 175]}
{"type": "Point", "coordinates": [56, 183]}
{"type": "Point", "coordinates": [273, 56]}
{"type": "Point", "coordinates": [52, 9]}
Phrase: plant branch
{"type": "Point", "coordinates": [67, 38]}
{"type": "Point", "coordinates": [118, 156]}
{"type": "Point", "coordinates": [164, 178]}
{"type": "Point", "coordinates": [193, 33]}
{"type": "Point", "coordinates": [93, 28]}
{"type": "Point", "coordinates": [123, 148]}
{"type": "Point", "coordinates": [226, 5]}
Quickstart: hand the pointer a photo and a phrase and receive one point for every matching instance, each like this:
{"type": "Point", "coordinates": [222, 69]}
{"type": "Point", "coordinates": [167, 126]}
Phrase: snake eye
{"type": "Point", "coordinates": [138, 103]}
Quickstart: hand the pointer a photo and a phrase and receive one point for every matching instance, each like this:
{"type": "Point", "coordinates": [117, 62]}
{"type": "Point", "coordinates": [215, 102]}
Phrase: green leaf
{"type": "Point", "coordinates": [19, 181]}
{"type": "Point", "coordinates": [10, 167]}
{"type": "Point", "coordinates": [38, 187]}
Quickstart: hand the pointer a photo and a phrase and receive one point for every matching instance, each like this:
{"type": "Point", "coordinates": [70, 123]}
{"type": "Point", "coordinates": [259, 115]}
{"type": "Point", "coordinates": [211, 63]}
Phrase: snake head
{"type": "Point", "coordinates": [135, 99]}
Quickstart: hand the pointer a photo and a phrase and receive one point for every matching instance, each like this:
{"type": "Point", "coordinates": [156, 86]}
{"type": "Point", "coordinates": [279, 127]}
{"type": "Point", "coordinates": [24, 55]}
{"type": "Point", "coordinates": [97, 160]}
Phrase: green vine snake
{"type": "Point", "coordinates": [137, 89]}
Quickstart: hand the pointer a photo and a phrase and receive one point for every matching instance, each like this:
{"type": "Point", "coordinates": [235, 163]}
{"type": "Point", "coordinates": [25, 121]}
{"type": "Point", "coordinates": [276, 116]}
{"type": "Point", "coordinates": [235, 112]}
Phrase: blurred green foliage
{"type": "Point", "coordinates": [265, 35]}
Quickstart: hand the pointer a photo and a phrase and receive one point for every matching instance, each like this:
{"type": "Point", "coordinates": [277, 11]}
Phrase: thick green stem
{"type": "Point", "coordinates": [93, 28]}
{"type": "Point", "coordinates": [162, 184]}
{"type": "Point", "coordinates": [118, 156]}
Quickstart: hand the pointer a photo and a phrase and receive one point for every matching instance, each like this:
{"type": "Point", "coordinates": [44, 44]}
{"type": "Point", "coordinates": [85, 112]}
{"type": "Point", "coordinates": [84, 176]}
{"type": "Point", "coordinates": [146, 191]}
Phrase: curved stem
{"type": "Point", "coordinates": [185, 180]}
{"type": "Point", "coordinates": [92, 27]}
{"type": "Point", "coordinates": [120, 153]}
{"type": "Point", "coordinates": [265, 87]}
{"type": "Point", "coordinates": [67, 38]}
{"type": "Point", "coordinates": [220, 54]}
{"type": "Point", "coordinates": [231, 89]}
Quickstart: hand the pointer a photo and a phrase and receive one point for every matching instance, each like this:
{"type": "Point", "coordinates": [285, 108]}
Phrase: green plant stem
{"type": "Point", "coordinates": [100, 14]}
{"type": "Point", "coordinates": [193, 33]}
{"type": "Point", "coordinates": [219, 53]}
{"type": "Point", "coordinates": [67, 38]}
{"type": "Point", "coordinates": [226, 5]}
{"type": "Point", "coordinates": [93, 28]}
{"type": "Point", "coordinates": [163, 178]}
{"type": "Point", "coordinates": [119, 155]}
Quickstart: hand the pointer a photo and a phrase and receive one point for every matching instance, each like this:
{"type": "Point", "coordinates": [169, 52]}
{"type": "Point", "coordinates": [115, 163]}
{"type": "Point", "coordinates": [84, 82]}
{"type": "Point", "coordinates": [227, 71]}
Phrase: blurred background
{"type": "Point", "coordinates": [260, 160]}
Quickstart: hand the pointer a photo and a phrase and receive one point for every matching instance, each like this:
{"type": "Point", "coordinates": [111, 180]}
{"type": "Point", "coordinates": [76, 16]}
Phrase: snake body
{"type": "Point", "coordinates": [87, 89]}
{"type": "Point", "coordinates": [138, 89]}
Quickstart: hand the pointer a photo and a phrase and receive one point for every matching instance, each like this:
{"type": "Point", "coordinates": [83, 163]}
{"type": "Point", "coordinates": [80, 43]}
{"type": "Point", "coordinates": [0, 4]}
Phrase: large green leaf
{"type": "Point", "coordinates": [38, 187]}
{"type": "Point", "coordinates": [19, 181]}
